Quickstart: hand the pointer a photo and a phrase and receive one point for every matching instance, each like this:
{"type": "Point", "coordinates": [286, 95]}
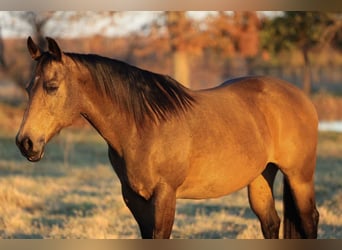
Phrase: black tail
{"type": "Point", "coordinates": [292, 221]}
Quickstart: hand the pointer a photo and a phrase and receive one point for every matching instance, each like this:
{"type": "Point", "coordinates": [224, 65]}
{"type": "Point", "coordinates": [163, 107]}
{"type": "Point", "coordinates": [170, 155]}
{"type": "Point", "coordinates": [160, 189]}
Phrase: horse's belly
{"type": "Point", "coordinates": [206, 190]}
{"type": "Point", "coordinates": [215, 182]}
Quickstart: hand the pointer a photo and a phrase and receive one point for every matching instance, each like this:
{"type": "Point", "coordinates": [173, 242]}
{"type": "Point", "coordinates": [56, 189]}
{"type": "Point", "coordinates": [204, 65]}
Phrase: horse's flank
{"type": "Point", "coordinates": [254, 125]}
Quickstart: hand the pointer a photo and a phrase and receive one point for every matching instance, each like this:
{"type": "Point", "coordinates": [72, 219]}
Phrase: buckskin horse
{"type": "Point", "coordinates": [167, 142]}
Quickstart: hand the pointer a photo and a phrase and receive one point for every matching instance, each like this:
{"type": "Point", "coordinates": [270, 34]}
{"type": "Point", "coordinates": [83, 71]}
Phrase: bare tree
{"type": "Point", "coordinates": [38, 20]}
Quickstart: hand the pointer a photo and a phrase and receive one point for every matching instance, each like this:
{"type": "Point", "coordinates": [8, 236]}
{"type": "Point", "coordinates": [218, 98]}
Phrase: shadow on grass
{"type": "Point", "coordinates": [208, 209]}
{"type": "Point", "coordinates": [26, 236]}
{"type": "Point", "coordinates": [71, 209]}
{"type": "Point", "coordinates": [43, 222]}
{"type": "Point", "coordinates": [330, 231]}
{"type": "Point", "coordinates": [230, 230]}
{"type": "Point", "coordinates": [328, 178]}
{"type": "Point", "coordinates": [58, 216]}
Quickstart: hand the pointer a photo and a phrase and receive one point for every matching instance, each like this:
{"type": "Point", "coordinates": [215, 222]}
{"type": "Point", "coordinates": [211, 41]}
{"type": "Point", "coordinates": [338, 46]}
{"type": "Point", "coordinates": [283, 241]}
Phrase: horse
{"type": "Point", "coordinates": [167, 142]}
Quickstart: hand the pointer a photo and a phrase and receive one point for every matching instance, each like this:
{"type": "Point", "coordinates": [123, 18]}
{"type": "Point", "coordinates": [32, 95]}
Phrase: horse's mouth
{"type": "Point", "coordinates": [31, 155]}
{"type": "Point", "coordinates": [35, 157]}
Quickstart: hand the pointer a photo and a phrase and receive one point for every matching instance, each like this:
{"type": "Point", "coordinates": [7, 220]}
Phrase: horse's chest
{"type": "Point", "coordinates": [160, 162]}
{"type": "Point", "coordinates": [140, 180]}
{"type": "Point", "coordinates": [136, 176]}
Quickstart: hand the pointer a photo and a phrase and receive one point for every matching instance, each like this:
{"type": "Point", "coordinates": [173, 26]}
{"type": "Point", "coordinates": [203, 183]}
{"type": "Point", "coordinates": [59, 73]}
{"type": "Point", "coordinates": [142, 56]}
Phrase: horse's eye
{"type": "Point", "coordinates": [51, 88]}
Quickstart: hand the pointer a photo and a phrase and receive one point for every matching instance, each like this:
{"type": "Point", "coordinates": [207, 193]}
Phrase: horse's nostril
{"type": "Point", "coordinates": [27, 144]}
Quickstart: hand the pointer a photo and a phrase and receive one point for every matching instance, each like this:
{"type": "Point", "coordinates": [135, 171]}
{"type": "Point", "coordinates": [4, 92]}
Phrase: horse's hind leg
{"type": "Point", "coordinates": [300, 213]}
{"type": "Point", "coordinates": [262, 203]}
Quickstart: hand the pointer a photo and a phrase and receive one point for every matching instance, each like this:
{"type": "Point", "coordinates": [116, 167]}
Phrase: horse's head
{"type": "Point", "coordinates": [52, 101]}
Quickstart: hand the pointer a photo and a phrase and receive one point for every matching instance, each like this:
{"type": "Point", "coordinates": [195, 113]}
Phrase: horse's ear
{"type": "Point", "coordinates": [33, 48]}
{"type": "Point", "coordinates": [54, 48]}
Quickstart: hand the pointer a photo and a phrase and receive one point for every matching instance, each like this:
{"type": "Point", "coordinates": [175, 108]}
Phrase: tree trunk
{"type": "Point", "coordinates": [3, 64]}
{"type": "Point", "coordinates": [307, 73]}
{"type": "Point", "coordinates": [177, 27]}
{"type": "Point", "coordinates": [181, 71]}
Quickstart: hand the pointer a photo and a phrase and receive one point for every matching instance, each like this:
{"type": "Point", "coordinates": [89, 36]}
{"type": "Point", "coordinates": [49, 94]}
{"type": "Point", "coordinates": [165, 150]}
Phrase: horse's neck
{"type": "Point", "coordinates": [111, 123]}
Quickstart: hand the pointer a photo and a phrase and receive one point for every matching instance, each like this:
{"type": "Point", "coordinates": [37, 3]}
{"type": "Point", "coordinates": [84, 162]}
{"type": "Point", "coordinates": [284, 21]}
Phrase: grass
{"type": "Point", "coordinates": [74, 193]}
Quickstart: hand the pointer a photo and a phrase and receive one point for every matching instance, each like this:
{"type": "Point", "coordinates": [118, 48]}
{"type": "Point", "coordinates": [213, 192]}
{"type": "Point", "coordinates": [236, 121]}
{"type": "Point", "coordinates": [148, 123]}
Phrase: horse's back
{"type": "Point", "coordinates": [273, 95]}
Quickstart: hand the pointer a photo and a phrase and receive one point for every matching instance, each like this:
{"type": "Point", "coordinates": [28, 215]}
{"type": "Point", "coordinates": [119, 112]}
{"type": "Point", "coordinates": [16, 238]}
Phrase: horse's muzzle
{"type": "Point", "coordinates": [33, 151]}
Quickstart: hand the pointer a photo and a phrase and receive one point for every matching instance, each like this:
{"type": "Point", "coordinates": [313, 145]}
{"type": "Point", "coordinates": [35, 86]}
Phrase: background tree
{"type": "Point", "coordinates": [38, 20]}
{"type": "Point", "coordinates": [178, 25]}
{"type": "Point", "coordinates": [184, 40]}
{"type": "Point", "coordinates": [306, 31]}
{"type": "Point", "coordinates": [235, 35]}
{"type": "Point", "coordinates": [248, 39]}
{"type": "Point", "coordinates": [229, 34]}
{"type": "Point", "coordinates": [174, 35]}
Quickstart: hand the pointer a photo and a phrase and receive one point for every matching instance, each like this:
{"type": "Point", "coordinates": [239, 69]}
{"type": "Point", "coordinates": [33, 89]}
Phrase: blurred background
{"type": "Point", "coordinates": [199, 49]}
{"type": "Point", "coordinates": [62, 196]}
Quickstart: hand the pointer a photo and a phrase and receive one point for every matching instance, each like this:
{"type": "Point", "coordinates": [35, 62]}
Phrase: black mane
{"type": "Point", "coordinates": [136, 91]}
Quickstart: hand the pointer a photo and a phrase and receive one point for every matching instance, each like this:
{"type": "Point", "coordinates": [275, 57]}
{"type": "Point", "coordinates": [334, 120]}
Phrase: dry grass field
{"type": "Point", "coordinates": [73, 193]}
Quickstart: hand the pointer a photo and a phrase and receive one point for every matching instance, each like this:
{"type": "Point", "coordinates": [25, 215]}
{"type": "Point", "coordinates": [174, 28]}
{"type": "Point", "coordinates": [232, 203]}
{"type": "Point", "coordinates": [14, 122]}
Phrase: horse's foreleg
{"type": "Point", "coordinates": [262, 203]}
{"type": "Point", "coordinates": [141, 210]}
{"type": "Point", "coordinates": [154, 216]}
{"type": "Point", "coordinates": [164, 200]}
